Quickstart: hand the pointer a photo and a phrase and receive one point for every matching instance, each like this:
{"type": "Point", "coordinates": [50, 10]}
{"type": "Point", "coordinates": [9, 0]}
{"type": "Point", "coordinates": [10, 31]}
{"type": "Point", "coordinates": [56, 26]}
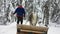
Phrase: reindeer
{"type": "Point", "coordinates": [33, 18]}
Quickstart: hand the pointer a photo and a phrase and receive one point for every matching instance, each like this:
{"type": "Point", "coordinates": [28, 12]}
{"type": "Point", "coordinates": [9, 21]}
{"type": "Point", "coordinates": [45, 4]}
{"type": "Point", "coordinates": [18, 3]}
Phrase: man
{"type": "Point", "coordinates": [20, 14]}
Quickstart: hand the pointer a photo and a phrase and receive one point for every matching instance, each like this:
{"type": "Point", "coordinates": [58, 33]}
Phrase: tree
{"type": "Point", "coordinates": [46, 14]}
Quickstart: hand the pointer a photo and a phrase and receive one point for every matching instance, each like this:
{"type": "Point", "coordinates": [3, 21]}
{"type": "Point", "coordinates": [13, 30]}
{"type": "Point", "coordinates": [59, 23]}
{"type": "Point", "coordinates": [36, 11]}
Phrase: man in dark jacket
{"type": "Point", "coordinates": [20, 14]}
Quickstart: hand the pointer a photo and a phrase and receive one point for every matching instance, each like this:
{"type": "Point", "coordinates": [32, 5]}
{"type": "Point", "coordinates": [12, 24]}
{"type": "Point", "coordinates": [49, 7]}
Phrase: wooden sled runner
{"type": "Point", "coordinates": [27, 29]}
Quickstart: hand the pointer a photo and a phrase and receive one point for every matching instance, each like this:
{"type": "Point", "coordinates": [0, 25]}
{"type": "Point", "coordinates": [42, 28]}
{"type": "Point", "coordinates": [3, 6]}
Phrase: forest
{"type": "Point", "coordinates": [46, 11]}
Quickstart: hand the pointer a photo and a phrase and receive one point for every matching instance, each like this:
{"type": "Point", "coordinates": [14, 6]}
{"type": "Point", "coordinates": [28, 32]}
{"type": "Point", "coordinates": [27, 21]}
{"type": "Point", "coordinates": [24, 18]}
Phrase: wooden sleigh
{"type": "Point", "coordinates": [27, 29]}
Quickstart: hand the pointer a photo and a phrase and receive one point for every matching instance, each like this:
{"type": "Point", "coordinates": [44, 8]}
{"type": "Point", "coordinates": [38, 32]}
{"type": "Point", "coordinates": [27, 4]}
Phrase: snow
{"type": "Point", "coordinates": [54, 30]}
{"type": "Point", "coordinates": [8, 29]}
{"type": "Point", "coordinates": [11, 29]}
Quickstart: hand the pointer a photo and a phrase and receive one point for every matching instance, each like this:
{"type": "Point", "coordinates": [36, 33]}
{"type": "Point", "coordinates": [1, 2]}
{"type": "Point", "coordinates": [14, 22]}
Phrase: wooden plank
{"type": "Point", "coordinates": [32, 31]}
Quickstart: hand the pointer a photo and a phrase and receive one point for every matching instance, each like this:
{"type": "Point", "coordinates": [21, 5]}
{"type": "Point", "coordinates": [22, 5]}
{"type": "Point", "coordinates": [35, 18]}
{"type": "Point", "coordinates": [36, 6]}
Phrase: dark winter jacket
{"type": "Point", "coordinates": [20, 11]}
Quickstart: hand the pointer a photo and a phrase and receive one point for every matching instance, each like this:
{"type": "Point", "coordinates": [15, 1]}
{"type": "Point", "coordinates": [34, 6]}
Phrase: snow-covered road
{"type": "Point", "coordinates": [11, 29]}
{"type": "Point", "coordinates": [8, 29]}
{"type": "Point", "coordinates": [54, 30]}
